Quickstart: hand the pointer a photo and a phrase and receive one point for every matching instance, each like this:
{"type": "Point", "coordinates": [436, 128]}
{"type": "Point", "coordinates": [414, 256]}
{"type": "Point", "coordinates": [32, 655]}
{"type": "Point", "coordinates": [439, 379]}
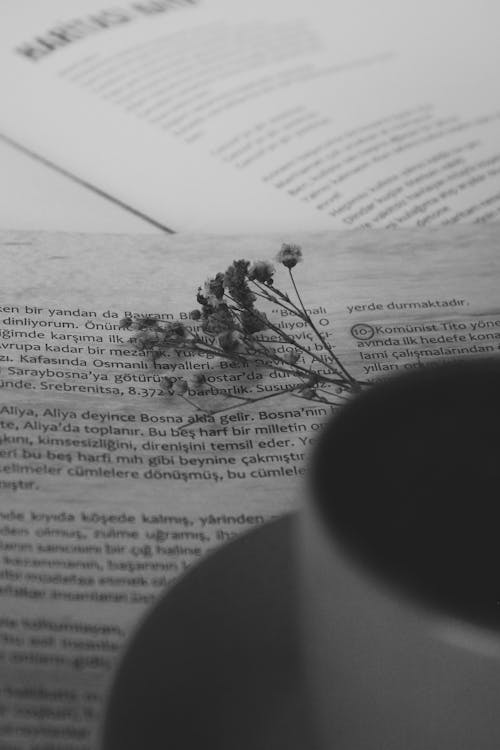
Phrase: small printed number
{"type": "Point", "coordinates": [145, 392]}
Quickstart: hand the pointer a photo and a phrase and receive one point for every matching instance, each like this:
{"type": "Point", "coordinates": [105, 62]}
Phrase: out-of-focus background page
{"type": "Point", "coordinates": [216, 115]}
{"type": "Point", "coordinates": [34, 195]}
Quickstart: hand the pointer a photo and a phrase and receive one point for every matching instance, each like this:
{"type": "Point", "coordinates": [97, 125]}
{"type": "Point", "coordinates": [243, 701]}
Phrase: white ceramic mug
{"type": "Point", "coordinates": [400, 568]}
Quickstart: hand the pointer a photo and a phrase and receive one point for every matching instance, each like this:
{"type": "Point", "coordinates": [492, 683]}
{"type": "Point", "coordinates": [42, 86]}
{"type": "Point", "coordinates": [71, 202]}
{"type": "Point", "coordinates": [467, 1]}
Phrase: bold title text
{"type": "Point", "coordinates": [72, 31]}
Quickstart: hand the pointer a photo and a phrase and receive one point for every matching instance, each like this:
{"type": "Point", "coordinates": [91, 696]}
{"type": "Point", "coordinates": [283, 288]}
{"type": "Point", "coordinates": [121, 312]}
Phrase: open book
{"type": "Point", "coordinates": [105, 499]}
{"type": "Point", "coordinates": [224, 116]}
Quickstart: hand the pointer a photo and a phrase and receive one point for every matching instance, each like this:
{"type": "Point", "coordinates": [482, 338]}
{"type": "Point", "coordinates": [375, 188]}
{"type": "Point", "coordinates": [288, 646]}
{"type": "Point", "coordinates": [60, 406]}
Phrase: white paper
{"type": "Point", "coordinates": [35, 196]}
{"type": "Point", "coordinates": [225, 116]}
{"type": "Point", "coordinates": [103, 503]}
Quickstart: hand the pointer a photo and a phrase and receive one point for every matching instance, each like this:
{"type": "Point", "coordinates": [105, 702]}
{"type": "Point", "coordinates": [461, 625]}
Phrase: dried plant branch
{"type": "Point", "coordinates": [227, 326]}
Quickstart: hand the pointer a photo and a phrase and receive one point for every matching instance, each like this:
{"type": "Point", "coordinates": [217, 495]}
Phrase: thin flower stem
{"type": "Point", "coordinates": [242, 342]}
{"type": "Point", "coordinates": [189, 401]}
{"type": "Point", "coordinates": [275, 301]}
{"type": "Point", "coordinates": [322, 401]}
{"type": "Point", "coordinates": [206, 348]}
{"type": "Point", "coordinates": [337, 395]}
{"type": "Point", "coordinates": [304, 311]}
{"type": "Point", "coordinates": [320, 336]}
{"type": "Point", "coordinates": [248, 401]}
{"type": "Point", "coordinates": [218, 351]}
{"type": "Point", "coordinates": [272, 355]}
{"type": "Point", "coordinates": [290, 340]}
{"type": "Point", "coordinates": [307, 372]}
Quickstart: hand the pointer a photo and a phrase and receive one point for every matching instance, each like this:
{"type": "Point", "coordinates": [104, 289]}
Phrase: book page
{"type": "Point", "coordinates": [110, 490]}
{"type": "Point", "coordinates": [55, 202]}
{"type": "Point", "coordinates": [222, 116]}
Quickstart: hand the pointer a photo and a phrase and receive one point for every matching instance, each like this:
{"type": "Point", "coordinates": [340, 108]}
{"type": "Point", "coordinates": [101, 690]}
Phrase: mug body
{"type": "Point", "coordinates": [399, 571]}
{"type": "Point", "coordinates": [384, 673]}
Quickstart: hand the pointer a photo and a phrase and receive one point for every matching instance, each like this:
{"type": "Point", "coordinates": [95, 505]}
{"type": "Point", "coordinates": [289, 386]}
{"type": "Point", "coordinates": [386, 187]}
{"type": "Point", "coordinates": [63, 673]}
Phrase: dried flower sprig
{"type": "Point", "coordinates": [228, 325]}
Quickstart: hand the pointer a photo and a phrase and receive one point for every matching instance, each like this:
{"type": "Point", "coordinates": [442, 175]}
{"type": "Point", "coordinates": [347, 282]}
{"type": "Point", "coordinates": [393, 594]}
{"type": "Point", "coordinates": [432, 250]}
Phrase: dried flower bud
{"type": "Point", "coordinates": [219, 320]}
{"type": "Point", "coordinates": [198, 379]}
{"type": "Point", "coordinates": [289, 255]}
{"type": "Point", "coordinates": [235, 281]}
{"type": "Point", "coordinates": [125, 322]}
{"type": "Point", "coordinates": [215, 287]}
{"type": "Point", "coordinates": [166, 385]}
{"type": "Point", "coordinates": [180, 387]}
{"type": "Point", "coordinates": [253, 321]}
{"type": "Point", "coordinates": [213, 291]}
{"type": "Point", "coordinates": [155, 353]}
{"type": "Point", "coordinates": [312, 380]}
{"type": "Point", "coordinates": [308, 393]}
{"type": "Point", "coordinates": [200, 297]}
{"type": "Point", "coordinates": [175, 329]}
{"type": "Point", "coordinates": [146, 321]}
{"type": "Point", "coordinates": [292, 357]}
{"type": "Point", "coordinates": [229, 341]}
{"type": "Point", "coordinates": [261, 270]}
{"type": "Point", "coordinates": [195, 315]}
{"type": "Point", "coordinates": [149, 339]}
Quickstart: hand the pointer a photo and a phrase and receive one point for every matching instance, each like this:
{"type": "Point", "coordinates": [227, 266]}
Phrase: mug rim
{"type": "Point", "coordinates": [449, 626]}
{"type": "Point", "coordinates": [420, 594]}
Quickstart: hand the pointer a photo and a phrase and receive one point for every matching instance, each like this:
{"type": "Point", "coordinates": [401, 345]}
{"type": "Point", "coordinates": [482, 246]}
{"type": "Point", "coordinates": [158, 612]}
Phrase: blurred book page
{"type": "Point", "coordinates": [34, 196]}
{"type": "Point", "coordinates": [105, 498]}
{"type": "Point", "coordinates": [224, 116]}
